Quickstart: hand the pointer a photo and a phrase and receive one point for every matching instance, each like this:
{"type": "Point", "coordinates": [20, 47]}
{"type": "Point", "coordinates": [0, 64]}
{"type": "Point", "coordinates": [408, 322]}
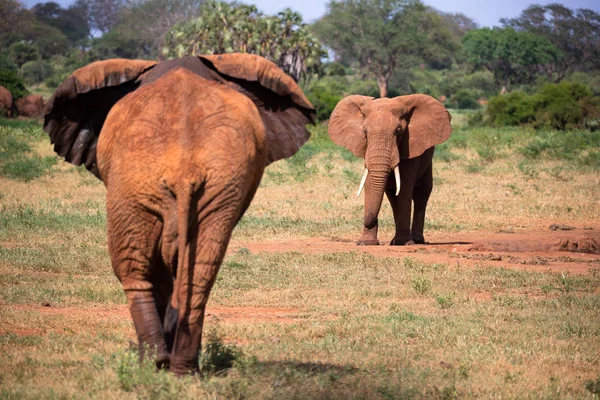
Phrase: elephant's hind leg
{"type": "Point", "coordinates": [421, 195]}
{"type": "Point", "coordinates": [205, 251]}
{"type": "Point", "coordinates": [131, 240]}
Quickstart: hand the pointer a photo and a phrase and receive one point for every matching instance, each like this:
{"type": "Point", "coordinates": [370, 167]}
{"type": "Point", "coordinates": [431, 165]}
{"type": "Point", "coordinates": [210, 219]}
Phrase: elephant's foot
{"type": "Point", "coordinates": [401, 242]}
{"type": "Point", "coordinates": [418, 239]}
{"type": "Point", "coordinates": [163, 360]}
{"type": "Point", "coordinates": [407, 240]}
{"type": "Point", "coordinates": [157, 353]}
{"type": "Point", "coordinates": [368, 237]}
{"type": "Point", "coordinates": [182, 367]}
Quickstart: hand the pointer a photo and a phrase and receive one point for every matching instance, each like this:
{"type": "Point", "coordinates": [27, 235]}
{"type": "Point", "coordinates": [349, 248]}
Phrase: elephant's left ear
{"type": "Point", "coordinates": [428, 123]}
{"type": "Point", "coordinates": [75, 114]}
{"type": "Point", "coordinates": [280, 101]}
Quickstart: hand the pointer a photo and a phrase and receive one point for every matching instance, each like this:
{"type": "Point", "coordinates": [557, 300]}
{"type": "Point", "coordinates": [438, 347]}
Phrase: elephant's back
{"type": "Point", "coordinates": [180, 120]}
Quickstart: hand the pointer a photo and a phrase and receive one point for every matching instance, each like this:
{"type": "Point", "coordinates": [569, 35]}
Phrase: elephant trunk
{"type": "Point", "coordinates": [382, 156]}
{"type": "Point", "coordinates": [378, 177]}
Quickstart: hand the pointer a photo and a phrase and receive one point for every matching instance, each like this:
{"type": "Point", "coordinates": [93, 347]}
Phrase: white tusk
{"type": "Point", "coordinates": [397, 176]}
{"type": "Point", "coordinates": [362, 182]}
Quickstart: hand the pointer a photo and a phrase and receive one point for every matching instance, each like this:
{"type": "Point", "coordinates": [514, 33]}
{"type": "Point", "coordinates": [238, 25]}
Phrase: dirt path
{"type": "Point", "coordinates": [557, 248]}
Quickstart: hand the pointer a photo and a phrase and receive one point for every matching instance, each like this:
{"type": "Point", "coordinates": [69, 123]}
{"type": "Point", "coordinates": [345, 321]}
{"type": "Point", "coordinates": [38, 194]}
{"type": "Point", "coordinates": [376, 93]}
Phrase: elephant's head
{"type": "Point", "coordinates": [384, 132]}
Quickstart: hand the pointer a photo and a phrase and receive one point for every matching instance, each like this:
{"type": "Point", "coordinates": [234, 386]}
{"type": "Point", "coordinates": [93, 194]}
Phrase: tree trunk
{"type": "Point", "coordinates": [382, 82]}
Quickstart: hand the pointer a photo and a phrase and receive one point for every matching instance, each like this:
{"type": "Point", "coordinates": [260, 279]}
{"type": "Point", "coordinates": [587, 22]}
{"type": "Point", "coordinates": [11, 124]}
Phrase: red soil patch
{"type": "Point", "coordinates": [221, 314]}
{"type": "Point", "coordinates": [540, 249]}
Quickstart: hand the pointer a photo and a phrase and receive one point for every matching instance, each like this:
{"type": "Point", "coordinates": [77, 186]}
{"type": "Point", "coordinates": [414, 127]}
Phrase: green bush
{"type": "Point", "coordinates": [21, 52]}
{"type": "Point", "coordinates": [7, 64]}
{"type": "Point", "coordinates": [482, 81]}
{"type": "Point", "coordinates": [323, 101]}
{"type": "Point", "coordinates": [558, 105]}
{"type": "Point", "coordinates": [561, 106]}
{"type": "Point", "coordinates": [13, 82]}
{"type": "Point", "coordinates": [465, 99]}
{"type": "Point", "coordinates": [511, 109]}
{"type": "Point", "coordinates": [36, 71]}
{"type": "Point", "coordinates": [336, 69]}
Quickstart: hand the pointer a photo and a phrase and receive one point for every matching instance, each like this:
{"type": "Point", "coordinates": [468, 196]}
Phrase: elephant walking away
{"type": "Point", "coordinates": [393, 134]}
{"type": "Point", "coordinates": [181, 146]}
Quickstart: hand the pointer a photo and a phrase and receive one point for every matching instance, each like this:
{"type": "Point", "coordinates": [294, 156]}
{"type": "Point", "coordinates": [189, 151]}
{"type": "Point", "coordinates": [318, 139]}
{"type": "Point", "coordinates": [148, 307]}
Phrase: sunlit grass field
{"type": "Point", "coordinates": [319, 325]}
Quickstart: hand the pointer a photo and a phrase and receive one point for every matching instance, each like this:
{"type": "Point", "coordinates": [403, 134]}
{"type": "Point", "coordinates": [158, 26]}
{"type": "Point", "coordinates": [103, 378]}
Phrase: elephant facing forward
{"type": "Point", "coordinates": [393, 134]}
{"type": "Point", "coordinates": [181, 147]}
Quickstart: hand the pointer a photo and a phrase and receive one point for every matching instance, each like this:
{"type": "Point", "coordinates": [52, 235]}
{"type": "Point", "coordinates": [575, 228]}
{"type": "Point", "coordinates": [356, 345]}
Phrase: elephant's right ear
{"type": "Point", "coordinates": [281, 103]}
{"type": "Point", "coordinates": [74, 115]}
{"type": "Point", "coordinates": [345, 124]}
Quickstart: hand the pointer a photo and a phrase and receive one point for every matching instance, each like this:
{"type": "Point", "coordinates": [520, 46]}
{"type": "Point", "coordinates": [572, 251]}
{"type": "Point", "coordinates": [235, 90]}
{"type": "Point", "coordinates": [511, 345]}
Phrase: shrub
{"type": "Point", "coordinates": [21, 52]}
{"type": "Point", "coordinates": [335, 69]}
{"type": "Point", "coordinates": [482, 81]}
{"type": "Point", "coordinates": [13, 82]}
{"type": "Point", "coordinates": [323, 100]}
{"type": "Point", "coordinates": [515, 108]}
{"type": "Point", "coordinates": [465, 99]}
{"type": "Point", "coordinates": [6, 64]}
{"type": "Point", "coordinates": [561, 106]}
{"type": "Point", "coordinates": [558, 105]}
{"type": "Point", "coordinates": [36, 71]}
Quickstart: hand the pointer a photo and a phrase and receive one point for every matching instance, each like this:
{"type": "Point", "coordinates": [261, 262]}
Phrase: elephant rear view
{"type": "Point", "coordinates": [393, 134]}
{"type": "Point", "coordinates": [181, 147]}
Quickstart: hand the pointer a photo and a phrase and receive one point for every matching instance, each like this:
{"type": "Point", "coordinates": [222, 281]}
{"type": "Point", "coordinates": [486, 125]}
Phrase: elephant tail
{"type": "Point", "coordinates": [184, 203]}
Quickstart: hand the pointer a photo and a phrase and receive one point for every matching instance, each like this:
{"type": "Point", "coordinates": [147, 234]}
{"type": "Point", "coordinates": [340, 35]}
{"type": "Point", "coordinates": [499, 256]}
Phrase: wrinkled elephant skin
{"type": "Point", "coordinates": [181, 147]}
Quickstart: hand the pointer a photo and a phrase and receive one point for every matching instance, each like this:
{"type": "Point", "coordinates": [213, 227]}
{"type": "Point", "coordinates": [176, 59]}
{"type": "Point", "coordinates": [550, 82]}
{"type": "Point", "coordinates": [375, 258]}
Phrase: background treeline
{"type": "Point", "coordinates": [541, 69]}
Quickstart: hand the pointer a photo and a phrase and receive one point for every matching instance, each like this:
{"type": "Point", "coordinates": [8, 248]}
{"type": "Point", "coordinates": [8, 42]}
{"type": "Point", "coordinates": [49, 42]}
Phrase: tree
{"type": "Point", "coordinates": [513, 57]}
{"type": "Point", "coordinates": [72, 22]}
{"type": "Point", "coordinates": [14, 17]}
{"type": "Point", "coordinates": [380, 36]}
{"type": "Point", "coordinates": [224, 28]}
{"type": "Point", "coordinates": [148, 21]}
{"type": "Point", "coordinates": [22, 52]}
{"type": "Point", "coordinates": [575, 33]}
{"type": "Point", "coordinates": [102, 15]}
{"type": "Point", "coordinates": [49, 40]}
{"type": "Point", "coordinates": [15, 21]}
{"type": "Point", "coordinates": [459, 23]}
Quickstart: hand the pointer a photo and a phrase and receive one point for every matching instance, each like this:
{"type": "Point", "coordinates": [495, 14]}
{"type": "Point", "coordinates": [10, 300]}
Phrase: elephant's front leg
{"type": "Point", "coordinates": [402, 203]}
{"type": "Point", "coordinates": [421, 195]}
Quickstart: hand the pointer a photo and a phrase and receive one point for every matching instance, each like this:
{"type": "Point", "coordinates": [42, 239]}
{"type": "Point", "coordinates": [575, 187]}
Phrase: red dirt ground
{"type": "Point", "coordinates": [576, 250]}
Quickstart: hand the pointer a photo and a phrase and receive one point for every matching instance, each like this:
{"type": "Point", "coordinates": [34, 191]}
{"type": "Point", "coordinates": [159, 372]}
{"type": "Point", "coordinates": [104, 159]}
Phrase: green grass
{"type": "Point", "coordinates": [17, 158]}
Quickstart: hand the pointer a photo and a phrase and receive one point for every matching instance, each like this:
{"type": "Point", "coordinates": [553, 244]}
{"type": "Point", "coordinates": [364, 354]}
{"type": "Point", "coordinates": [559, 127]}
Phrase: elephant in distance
{"type": "Point", "coordinates": [393, 134]}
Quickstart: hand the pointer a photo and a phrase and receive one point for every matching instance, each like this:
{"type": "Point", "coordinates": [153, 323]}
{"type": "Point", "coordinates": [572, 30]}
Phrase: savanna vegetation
{"type": "Point", "coordinates": [328, 322]}
{"type": "Point", "coordinates": [298, 311]}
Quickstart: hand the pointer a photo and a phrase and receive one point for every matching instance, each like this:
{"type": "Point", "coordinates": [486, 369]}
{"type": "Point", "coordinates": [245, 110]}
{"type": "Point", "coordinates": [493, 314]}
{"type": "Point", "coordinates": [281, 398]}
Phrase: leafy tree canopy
{"type": "Point", "coordinates": [380, 36]}
{"type": "Point", "coordinates": [575, 32]}
{"type": "Point", "coordinates": [513, 57]}
{"type": "Point", "coordinates": [230, 27]}
{"type": "Point", "coordinates": [72, 22]}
